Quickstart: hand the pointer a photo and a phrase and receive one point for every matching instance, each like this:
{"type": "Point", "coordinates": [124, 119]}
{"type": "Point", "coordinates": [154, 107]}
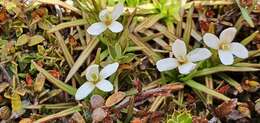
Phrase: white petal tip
{"type": "Point", "coordinates": [109, 70]}
{"type": "Point", "coordinates": [211, 40]}
{"type": "Point", "coordinates": [186, 68]}
{"type": "Point", "coordinates": [84, 90]}
{"type": "Point", "coordinates": [105, 86]}
{"type": "Point", "coordinates": [96, 29]}
{"type": "Point", "coordinates": [166, 64]}
{"type": "Point", "coordinates": [116, 27]}
{"type": "Point", "coordinates": [226, 57]}
{"type": "Point", "coordinates": [239, 50]}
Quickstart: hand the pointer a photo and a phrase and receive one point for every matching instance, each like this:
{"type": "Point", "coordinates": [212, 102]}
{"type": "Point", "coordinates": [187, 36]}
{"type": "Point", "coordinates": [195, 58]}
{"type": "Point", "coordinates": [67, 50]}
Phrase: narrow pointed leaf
{"type": "Point", "coordinates": [59, 114]}
{"type": "Point", "coordinates": [83, 56]}
{"type": "Point", "coordinates": [68, 24]}
{"type": "Point", "coordinates": [65, 87]}
{"type": "Point", "coordinates": [245, 14]}
{"type": "Point", "coordinates": [217, 69]}
{"type": "Point", "coordinates": [206, 90]}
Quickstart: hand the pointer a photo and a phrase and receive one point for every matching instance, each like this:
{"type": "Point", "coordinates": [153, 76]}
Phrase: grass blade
{"type": "Point", "coordinates": [206, 90]}
{"type": "Point", "coordinates": [67, 54]}
{"type": "Point", "coordinates": [60, 3]}
{"type": "Point", "coordinates": [217, 69]}
{"type": "Point", "coordinates": [68, 24]}
{"type": "Point", "coordinates": [59, 114]}
{"type": "Point", "coordinates": [188, 27]}
{"type": "Point", "coordinates": [145, 48]}
{"type": "Point", "coordinates": [65, 87]}
{"type": "Point", "coordinates": [245, 14]}
{"type": "Point", "coordinates": [51, 106]}
{"type": "Point", "coordinates": [148, 22]}
{"type": "Point", "coordinates": [231, 81]}
{"type": "Point", "coordinates": [83, 56]}
{"type": "Point", "coordinates": [250, 38]}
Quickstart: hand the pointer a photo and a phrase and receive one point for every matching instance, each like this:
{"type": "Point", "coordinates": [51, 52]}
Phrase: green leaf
{"type": "Point", "coordinates": [112, 52]}
{"type": "Point", "coordinates": [184, 118]}
{"type": "Point", "coordinates": [16, 103]}
{"type": "Point", "coordinates": [247, 17]}
{"type": "Point", "coordinates": [132, 3]}
{"type": "Point", "coordinates": [250, 38]}
{"type": "Point", "coordinates": [118, 50]}
{"type": "Point", "coordinates": [188, 27]}
{"type": "Point", "coordinates": [206, 90]}
{"type": "Point", "coordinates": [36, 40]}
{"type": "Point", "coordinates": [3, 43]}
{"type": "Point", "coordinates": [222, 68]}
{"type": "Point", "coordinates": [245, 14]}
{"type": "Point", "coordinates": [22, 40]}
{"type": "Point", "coordinates": [127, 58]}
{"type": "Point", "coordinates": [175, 9]}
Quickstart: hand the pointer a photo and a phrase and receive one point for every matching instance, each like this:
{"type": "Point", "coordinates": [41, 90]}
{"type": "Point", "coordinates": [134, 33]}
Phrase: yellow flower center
{"type": "Point", "coordinates": [95, 77]}
{"type": "Point", "coordinates": [225, 46]}
{"type": "Point", "coordinates": [183, 59]}
{"type": "Point", "coordinates": [107, 20]}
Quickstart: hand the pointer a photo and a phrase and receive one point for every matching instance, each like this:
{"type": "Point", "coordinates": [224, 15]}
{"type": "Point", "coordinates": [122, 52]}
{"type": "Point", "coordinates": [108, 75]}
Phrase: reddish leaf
{"type": "Point", "coordinates": [55, 73]}
{"type": "Point", "coordinates": [190, 98]}
{"type": "Point", "coordinates": [246, 3]}
{"type": "Point", "coordinates": [136, 120]}
{"type": "Point", "coordinates": [115, 98]}
{"type": "Point", "coordinates": [3, 15]}
{"type": "Point", "coordinates": [197, 119]}
{"type": "Point", "coordinates": [204, 25]}
{"type": "Point", "coordinates": [72, 41]}
{"type": "Point", "coordinates": [40, 63]}
{"type": "Point", "coordinates": [223, 89]}
{"type": "Point", "coordinates": [138, 85]}
{"type": "Point", "coordinates": [39, 13]}
{"type": "Point", "coordinates": [224, 109]}
{"type": "Point", "coordinates": [28, 79]}
{"type": "Point", "coordinates": [210, 13]}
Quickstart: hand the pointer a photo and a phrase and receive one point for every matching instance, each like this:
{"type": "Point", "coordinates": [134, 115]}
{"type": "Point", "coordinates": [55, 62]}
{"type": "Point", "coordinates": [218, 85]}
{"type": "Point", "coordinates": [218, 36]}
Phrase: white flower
{"type": "Point", "coordinates": [182, 60]}
{"type": "Point", "coordinates": [226, 49]}
{"type": "Point", "coordinates": [69, 2]}
{"type": "Point", "coordinates": [108, 20]}
{"type": "Point", "coordinates": [96, 79]}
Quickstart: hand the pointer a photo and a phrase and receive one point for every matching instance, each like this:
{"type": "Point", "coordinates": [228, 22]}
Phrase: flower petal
{"type": "Point", "coordinates": [228, 34]}
{"type": "Point", "coordinates": [96, 28]}
{"type": "Point", "coordinates": [166, 64]}
{"type": "Point", "coordinates": [226, 57]}
{"type": "Point", "coordinates": [199, 54]}
{"type": "Point", "coordinates": [104, 14]}
{"type": "Point", "coordinates": [109, 70]}
{"type": "Point", "coordinates": [118, 11]}
{"type": "Point", "coordinates": [186, 68]}
{"type": "Point", "coordinates": [179, 48]}
{"type": "Point", "coordinates": [211, 40]}
{"type": "Point", "coordinates": [69, 2]}
{"type": "Point", "coordinates": [92, 73]}
{"type": "Point", "coordinates": [104, 85]}
{"type": "Point", "coordinates": [239, 50]}
{"type": "Point", "coordinates": [116, 27]}
{"type": "Point", "coordinates": [84, 90]}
